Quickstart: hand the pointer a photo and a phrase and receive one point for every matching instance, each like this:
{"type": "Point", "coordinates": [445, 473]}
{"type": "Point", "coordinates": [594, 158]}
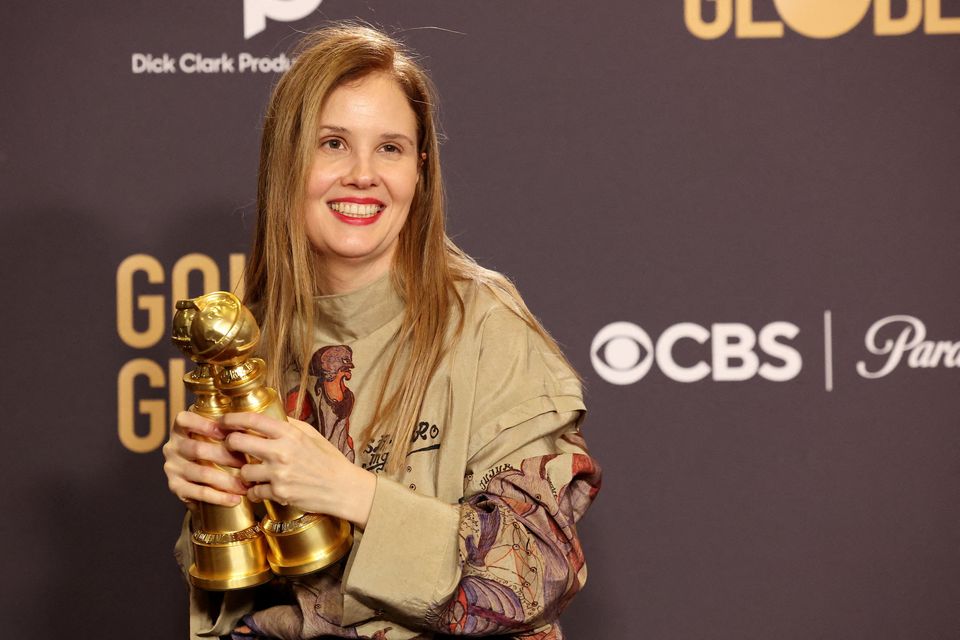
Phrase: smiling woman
{"type": "Point", "coordinates": [362, 181]}
{"type": "Point", "coordinates": [428, 407]}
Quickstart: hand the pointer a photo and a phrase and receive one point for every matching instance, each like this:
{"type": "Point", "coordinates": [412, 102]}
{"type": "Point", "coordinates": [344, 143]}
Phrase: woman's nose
{"type": "Point", "coordinates": [361, 173]}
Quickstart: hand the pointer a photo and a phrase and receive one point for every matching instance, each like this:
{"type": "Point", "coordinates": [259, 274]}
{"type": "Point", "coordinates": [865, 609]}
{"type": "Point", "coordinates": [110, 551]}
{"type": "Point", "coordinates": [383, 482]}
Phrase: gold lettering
{"type": "Point", "coordinates": [747, 27]}
{"type": "Point", "coordinates": [822, 18]}
{"type": "Point", "coordinates": [693, 16]}
{"type": "Point", "coordinates": [936, 23]}
{"type": "Point", "coordinates": [884, 24]}
{"type": "Point", "coordinates": [152, 304]}
{"type": "Point", "coordinates": [180, 277]}
{"type": "Point", "coordinates": [154, 409]}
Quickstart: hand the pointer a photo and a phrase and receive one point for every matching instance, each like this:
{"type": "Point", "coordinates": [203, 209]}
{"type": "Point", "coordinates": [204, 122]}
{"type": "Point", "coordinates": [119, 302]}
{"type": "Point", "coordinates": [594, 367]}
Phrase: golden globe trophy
{"type": "Point", "coordinates": [224, 333]}
{"type": "Point", "coordinates": [228, 547]}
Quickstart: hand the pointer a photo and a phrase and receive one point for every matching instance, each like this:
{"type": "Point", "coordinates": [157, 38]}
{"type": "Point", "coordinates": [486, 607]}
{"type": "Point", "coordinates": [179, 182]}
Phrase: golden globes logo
{"type": "Point", "coordinates": [150, 393]}
{"type": "Point", "coordinates": [711, 19]}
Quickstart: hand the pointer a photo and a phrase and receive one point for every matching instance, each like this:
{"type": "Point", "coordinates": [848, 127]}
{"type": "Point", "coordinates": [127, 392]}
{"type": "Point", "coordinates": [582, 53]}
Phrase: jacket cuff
{"type": "Point", "coordinates": [407, 559]}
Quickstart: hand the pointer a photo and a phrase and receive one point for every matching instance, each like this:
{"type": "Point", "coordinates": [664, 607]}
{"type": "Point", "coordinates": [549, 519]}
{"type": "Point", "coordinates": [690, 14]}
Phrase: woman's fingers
{"type": "Point", "coordinates": [267, 439]}
{"type": "Point", "coordinates": [261, 492]}
{"type": "Point", "coordinates": [195, 449]}
{"type": "Point", "coordinates": [202, 493]}
{"type": "Point", "coordinates": [191, 481]}
{"type": "Point", "coordinates": [257, 422]}
{"type": "Point", "coordinates": [255, 446]}
{"type": "Point", "coordinates": [274, 492]}
{"type": "Point", "coordinates": [252, 474]}
{"type": "Point", "coordinates": [188, 422]}
{"type": "Point", "coordinates": [213, 477]}
{"type": "Point", "coordinates": [195, 437]}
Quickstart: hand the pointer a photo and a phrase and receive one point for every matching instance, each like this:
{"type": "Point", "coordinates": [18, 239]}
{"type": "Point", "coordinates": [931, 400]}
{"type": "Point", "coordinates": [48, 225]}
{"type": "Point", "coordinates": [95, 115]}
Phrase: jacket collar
{"type": "Point", "coordinates": [347, 317]}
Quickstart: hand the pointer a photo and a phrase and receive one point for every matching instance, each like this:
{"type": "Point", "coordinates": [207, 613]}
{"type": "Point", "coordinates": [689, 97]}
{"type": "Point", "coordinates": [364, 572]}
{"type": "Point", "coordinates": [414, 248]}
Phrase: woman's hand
{"type": "Point", "coordinates": [299, 466]}
{"type": "Point", "coordinates": [195, 445]}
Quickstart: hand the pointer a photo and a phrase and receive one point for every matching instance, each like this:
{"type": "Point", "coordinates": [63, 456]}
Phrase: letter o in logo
{"type": "Point", "coordinates": [822, 18]}
{"type": "Point", "coordinates": [621, 353]}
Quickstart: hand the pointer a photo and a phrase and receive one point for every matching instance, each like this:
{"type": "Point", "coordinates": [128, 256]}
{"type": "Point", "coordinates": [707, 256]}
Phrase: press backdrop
{"type": "Point", "coordinates": [740, 219]}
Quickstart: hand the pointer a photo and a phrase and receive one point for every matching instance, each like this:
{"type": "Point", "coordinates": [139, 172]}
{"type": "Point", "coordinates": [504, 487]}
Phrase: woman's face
{"type": "Point", "coordinates": [362, 181]}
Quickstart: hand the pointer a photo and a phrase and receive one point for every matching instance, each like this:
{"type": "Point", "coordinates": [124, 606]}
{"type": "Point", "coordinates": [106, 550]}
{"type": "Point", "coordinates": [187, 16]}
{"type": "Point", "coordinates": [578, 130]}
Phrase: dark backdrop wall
{"type": "Point", "coordinates": [739, 218]}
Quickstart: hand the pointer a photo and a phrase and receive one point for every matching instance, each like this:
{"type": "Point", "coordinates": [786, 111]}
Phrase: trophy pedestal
{"type": "Point", "coordinates": [306, 544]}
{"type": "Point", "coordinates": [225, 561]}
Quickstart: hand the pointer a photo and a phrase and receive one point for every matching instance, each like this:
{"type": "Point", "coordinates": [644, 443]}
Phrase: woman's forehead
{"type": "Point", "coordinates": [373, 102]}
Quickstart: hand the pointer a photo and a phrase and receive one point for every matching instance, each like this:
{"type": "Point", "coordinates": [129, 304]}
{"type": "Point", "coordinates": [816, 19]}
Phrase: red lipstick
{"type": "Point", "coordinates": [365, 210]}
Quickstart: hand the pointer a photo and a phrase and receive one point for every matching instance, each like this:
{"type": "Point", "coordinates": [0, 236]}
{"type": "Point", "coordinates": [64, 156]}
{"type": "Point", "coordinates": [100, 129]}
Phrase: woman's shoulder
{"type": "Point", "coordinates": [516, 371]}
{"type": "Point", "coordinates": [487, 294]}
{"type": "Point", "coordinates": [502, 328]}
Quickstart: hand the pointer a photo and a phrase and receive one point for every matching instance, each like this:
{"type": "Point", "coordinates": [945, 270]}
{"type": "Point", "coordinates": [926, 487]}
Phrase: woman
{"type": "Point", "coordinates": [433, 411]}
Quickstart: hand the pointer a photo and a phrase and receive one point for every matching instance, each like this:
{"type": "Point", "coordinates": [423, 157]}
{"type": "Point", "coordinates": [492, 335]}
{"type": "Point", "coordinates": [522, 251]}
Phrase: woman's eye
{"type": "Point", "coordinates": [332, 143]}
{"type": "Point", "coordinates": [391, 148]}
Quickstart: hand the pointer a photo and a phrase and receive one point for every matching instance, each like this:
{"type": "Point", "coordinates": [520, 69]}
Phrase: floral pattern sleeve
{"type": "Point", "coordinates": [521, 558]}
{"type": "Point", "coordinates": [513, 560]}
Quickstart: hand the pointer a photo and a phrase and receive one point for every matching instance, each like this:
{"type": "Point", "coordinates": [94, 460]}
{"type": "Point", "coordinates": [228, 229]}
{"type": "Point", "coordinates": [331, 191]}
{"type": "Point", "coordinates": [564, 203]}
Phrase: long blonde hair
{"type": "Point", "coordinates": [282, 272]}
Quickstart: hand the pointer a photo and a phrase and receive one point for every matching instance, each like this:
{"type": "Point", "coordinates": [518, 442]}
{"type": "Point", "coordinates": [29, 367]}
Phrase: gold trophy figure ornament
{"type": "Point", "coordinates": [228, 547]}
{"type": "Point", "coordinates": [224, 333]}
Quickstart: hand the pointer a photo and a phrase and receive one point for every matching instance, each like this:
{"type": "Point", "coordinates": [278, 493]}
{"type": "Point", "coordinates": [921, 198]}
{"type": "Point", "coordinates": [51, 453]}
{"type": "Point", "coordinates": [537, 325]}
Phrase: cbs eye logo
{"type": "Point", "coordinates": [623, 353]}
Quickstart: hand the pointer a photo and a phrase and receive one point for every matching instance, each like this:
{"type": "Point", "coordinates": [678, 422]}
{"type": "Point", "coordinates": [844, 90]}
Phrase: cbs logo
{"type": "Point", "coordinates": [623, 353]}
{"type": "Point", "coordinates": [816, 18]}
{"type": "Point", "coordinates": [256, 12]}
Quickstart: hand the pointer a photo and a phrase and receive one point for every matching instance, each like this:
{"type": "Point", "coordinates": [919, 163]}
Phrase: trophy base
{"type": "Point", "coordinates": [307, 544]}
{"type": "Point", "coordinates": [227, 561]}
{"type": "Point", "coordinates": [229, 584]}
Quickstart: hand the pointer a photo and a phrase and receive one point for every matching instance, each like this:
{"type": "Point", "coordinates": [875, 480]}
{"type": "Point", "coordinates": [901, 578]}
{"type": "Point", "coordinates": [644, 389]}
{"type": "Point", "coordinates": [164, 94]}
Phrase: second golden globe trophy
{"type": "Point", "coordinates": [224, 333]}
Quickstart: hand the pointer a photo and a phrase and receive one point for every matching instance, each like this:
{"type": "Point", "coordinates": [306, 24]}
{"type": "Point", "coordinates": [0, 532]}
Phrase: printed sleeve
{"type": "Point", "coordinates": [506, 559]}
{"type": "Point", "coordinates": [521, 558]}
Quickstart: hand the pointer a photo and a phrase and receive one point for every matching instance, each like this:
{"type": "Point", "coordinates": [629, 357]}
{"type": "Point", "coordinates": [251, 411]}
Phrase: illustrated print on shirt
{"type": "Point", "coordinates": [329, 407]}
{"type": "Point", "coordinates": [425, 437]}
{"type": "Point", "coordinates": [375, 454]}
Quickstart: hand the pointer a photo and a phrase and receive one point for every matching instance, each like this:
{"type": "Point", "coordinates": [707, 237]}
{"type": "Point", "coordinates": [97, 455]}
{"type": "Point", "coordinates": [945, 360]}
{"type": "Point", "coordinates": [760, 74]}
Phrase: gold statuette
{"type": "Point", "coordinates": [228, 546]}
{"type": "Point", "coordinates": [224, 334]}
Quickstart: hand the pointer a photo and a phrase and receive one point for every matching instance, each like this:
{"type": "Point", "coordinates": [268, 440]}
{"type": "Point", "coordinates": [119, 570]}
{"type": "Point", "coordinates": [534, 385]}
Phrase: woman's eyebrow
{"type": "Point", "coordinates": [390, 135]}
{"type": "Point", "coordinates": [398, 136]}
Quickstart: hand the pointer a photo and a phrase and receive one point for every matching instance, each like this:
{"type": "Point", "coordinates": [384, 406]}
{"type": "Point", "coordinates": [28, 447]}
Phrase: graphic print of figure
{"type": "Point", "coordinates": [332, 367]}
{"type": "Point", "coordinates": [328, 408]}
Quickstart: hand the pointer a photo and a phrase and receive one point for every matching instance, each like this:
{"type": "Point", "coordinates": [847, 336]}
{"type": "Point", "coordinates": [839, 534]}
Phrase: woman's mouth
{"type": "Point", "coordinates": [357, 212]}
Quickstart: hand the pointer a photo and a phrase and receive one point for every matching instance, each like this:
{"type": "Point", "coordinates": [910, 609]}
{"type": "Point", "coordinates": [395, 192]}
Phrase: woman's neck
{"type": "Point", "coordinates": [338, 277]}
